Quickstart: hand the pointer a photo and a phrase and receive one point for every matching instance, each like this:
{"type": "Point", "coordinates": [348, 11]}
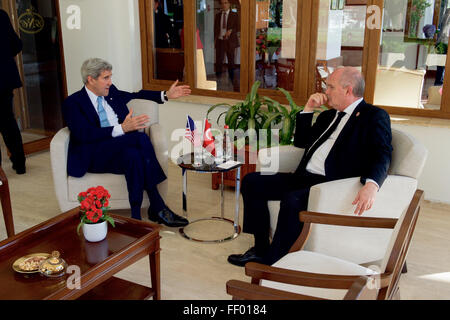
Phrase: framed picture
{"type": "Point", "coordinates": [341, 4]}
{"type": "Point", "coordinates": [334, 4]}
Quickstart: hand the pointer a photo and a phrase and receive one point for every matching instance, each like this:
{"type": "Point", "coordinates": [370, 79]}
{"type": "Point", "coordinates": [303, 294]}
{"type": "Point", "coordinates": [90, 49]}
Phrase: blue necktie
{"type": "Point", "coordinates": [102, 114]}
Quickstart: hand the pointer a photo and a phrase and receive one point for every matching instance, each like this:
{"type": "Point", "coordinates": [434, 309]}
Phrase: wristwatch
{"type": "Point", "coordinates": [165, 96]}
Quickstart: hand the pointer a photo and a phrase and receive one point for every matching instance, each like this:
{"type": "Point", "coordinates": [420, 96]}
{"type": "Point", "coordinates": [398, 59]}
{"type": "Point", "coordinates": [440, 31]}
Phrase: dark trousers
{"type": "Point", "coordinates": [293, 192]}
{"type": "Point", "coordinates": [10, 130]}
{"type": "Point", "coordinates": [132, 155]}
{"type": "Point", "coordinates": [223, 47]}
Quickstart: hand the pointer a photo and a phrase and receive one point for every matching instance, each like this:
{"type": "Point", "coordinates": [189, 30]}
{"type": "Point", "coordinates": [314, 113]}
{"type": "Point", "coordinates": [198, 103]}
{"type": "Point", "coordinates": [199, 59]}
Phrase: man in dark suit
{"type": "Point", "coordinates": [10, 80]}
{"type": "Point", "coordinates": [353, 139]}
{"type": "Point", "coordinates": [226, 27]}
{"type": "Point", "coordinates": [163, 27]}
{"type": "Point", "coordinates": [104, 138]}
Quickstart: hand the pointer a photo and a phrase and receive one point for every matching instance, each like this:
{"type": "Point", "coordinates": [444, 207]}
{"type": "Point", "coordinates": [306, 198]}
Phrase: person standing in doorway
{"type": "Point", "coordinates": [226, 26]}
{"type": "Point", "coordinates": [11, 45]}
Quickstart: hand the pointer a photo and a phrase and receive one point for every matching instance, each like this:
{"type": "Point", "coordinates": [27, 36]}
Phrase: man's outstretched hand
{"type": "Point", "coordinates": [178, 91]}
{"type": "Point", "coordinates": [135, 123]}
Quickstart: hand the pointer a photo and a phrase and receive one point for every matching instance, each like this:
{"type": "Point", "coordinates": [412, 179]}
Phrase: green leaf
{"type": "Point", "coordinates": [288, 96]}
{"type": "Point", "coordinates": [215, 106]}
{"type": "Point", "coordinates": [271, 118]}
{"type": "Point", "coordinates": [110, 220]}
{"type": "Point", "coordinates": [79, 226]}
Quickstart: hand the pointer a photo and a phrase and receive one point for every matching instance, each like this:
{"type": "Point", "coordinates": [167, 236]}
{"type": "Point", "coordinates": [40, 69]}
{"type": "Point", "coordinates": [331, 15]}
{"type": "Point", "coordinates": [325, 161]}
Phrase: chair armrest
{"type": "Point", "coordinates": [348, 221]}
{"type": "Point", "coordinates": [391, 200]}
{"type": "Point", "coordinates": [59, 147]}
{"type": "Point", "coordinates": [249, 291]}
{"type": "Point", "coordinates": [258, 271]}
{"type": "Point", "coordinates": [159, 142]}
{"type": "Point", "coordinates": [279, 159]}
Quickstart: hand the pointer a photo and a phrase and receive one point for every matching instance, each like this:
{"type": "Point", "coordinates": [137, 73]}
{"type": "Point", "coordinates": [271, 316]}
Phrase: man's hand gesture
{"type": "Point", "coordinates": [135, 123]}
{"type": "Point", "coordinates": [178, 91]}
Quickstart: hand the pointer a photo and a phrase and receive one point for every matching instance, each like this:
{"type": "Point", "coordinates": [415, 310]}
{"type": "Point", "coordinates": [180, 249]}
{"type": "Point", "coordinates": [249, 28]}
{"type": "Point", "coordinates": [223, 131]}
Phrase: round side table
{"type": "Point", "coordinates": [186, 163]}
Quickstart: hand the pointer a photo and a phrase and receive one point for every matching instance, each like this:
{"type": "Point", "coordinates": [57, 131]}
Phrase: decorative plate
{"type": "Point", "coordinates": [29, 263]}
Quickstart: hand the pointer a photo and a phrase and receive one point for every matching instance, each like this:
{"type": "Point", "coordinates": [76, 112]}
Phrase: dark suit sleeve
{"type": "Point", "coordinates": [82, 128]}
{"type": "Point", "coordinates": [379, 148]}
{"type": "Point", "coordinates": [15, 44]}
{"type": "Point", "coordinates": [235, 22]}
{"type": "Point", "coordinates": [142, 94]}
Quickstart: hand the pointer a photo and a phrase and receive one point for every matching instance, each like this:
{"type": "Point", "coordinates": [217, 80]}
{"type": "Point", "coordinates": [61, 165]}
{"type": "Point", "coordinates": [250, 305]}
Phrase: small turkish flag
{"type": "Point", "coordinates": [208, 139]}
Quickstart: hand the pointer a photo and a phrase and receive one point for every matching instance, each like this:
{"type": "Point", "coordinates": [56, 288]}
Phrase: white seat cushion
{"type": "Point", "coordinates": [308, 261]}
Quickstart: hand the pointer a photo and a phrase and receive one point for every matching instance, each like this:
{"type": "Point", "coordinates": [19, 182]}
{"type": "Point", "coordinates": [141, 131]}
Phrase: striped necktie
{"type": "Point", "coordinates": [102, 113]}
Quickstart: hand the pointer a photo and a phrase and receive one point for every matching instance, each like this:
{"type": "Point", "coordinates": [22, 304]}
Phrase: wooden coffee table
{"type": "Point", "coordinates": [125, 244]}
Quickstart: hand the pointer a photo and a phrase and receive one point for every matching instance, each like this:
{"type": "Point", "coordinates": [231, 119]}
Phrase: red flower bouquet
{"type": "Point", "coordinates": [94, 206]}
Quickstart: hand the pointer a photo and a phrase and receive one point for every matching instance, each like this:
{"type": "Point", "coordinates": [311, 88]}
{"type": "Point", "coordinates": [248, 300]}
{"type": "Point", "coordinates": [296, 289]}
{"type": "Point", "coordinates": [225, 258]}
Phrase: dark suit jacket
{"type": "Point", "coordinates": [84, 123]}
{"type": "Point", "coordinates": [363, 148]}
{"type": "Point", "coordinates": [233, 24]}
{"type": "Point", "coordinates": [11, 45]}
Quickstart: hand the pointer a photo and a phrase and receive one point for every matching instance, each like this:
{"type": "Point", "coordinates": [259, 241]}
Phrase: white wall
{"type": "Point", "coordinates": [173, 116]}
{"type": "Point", "coordinates": [109, 30]}
{"type": "Point", "coordinates": [435, 178]}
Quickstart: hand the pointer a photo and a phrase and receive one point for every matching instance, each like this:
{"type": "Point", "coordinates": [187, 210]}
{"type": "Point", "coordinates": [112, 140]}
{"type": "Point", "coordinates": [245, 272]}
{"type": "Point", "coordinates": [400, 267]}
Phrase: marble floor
{"type": "Point", "coordinates": [192, 270]}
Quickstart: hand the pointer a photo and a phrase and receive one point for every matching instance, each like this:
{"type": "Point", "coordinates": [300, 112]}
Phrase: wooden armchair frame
{"type": "Point", "coordinates": [388, 281]}
{"type": "Point", "coordinates": [6, 204]}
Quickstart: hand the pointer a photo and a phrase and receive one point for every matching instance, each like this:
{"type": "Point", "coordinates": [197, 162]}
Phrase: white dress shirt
{"type": "Point", "coordinates": [316, 164]}
{"type": "Point", "coordinates": [111, 115]}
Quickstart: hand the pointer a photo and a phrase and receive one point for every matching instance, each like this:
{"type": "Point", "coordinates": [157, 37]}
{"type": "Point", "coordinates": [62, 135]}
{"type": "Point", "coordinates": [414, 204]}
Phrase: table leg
{"type": "Point", "coordinates": [184, 174]}
{"type": "Point", "coordinates": [155, 274]}
{"type": "Point", "coordinates": [222, 206]}
{"type": "Point", "coordinates": [238, 186]}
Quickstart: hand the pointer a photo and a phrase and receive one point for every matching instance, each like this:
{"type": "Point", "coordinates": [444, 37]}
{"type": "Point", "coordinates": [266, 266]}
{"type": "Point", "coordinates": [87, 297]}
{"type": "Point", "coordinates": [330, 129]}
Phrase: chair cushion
{"type": "Point", "coordinates": [314, 262]}
{"type": "Point", "coordinates": [408, 157]}
{"type": "Point", "coordinates": [114, 183]}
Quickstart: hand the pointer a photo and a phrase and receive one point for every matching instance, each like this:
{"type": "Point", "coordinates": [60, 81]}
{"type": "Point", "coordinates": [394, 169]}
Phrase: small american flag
{"type": "Point", "coordinates": [191, 131]}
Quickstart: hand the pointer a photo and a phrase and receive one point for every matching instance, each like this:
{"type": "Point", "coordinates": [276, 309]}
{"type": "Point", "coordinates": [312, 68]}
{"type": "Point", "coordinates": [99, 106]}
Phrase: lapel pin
{"type": "Point", "coordinates": [357, 114]}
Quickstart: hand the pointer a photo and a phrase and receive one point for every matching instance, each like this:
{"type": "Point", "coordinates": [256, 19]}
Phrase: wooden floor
{"type": "Point", "coordinates": [191, 270]}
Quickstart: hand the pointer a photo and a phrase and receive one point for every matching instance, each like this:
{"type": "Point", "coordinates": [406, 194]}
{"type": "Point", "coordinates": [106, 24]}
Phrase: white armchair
{"type": "Point", "coordinates": [335, 246]}
{"type": "Point", "coordinates": [67, 188]}
{"type": "Point", "coordinates": [408, 160]}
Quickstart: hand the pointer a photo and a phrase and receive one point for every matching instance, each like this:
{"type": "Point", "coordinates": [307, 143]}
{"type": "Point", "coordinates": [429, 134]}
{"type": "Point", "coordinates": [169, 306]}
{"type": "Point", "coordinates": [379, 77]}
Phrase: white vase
{"type": "Point", "coordinates": [95, 232]}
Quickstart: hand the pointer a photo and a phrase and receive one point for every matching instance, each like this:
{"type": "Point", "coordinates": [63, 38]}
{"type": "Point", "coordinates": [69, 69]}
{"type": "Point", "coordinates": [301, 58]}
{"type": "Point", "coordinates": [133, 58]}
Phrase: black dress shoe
{"type": "Point", "coordinates": [168, 218]}
{"type": "Point", "coordinates": [20, 169]}
{"type": "Point", "coordinates": [241, 259]}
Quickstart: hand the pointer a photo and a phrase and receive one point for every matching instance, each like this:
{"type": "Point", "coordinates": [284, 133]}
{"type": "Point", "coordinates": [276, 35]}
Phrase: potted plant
{"type": "Point", "coordinates": [246, 116]}
{"type": "Point", "coordinates": [94, 206]}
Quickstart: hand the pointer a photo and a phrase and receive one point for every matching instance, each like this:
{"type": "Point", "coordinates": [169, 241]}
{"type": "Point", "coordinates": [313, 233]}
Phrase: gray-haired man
{"type": "Point", "coordinates": [104, 137]}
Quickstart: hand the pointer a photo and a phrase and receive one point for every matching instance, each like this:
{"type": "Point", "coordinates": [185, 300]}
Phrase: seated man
{"type": "Point", "coordinates": [104, 138]}
{"type": "Point", "coordinates": [350, 140]}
